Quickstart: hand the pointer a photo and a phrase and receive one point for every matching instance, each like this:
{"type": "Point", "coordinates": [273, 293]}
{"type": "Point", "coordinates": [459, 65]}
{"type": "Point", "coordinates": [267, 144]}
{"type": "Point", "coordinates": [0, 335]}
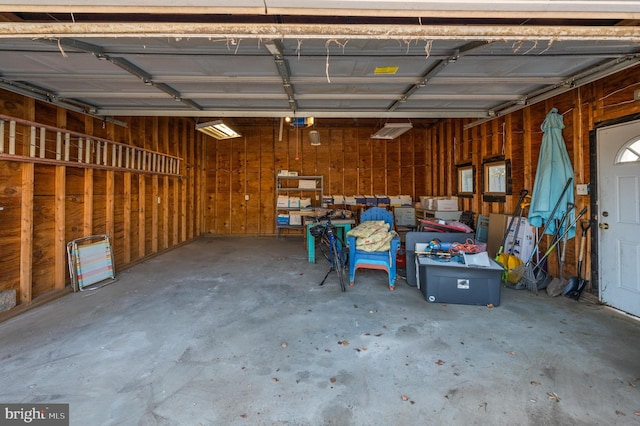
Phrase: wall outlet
{"type": "Point", "coordinates": [582, 189]}
{"type": "Point", "coordinates": [636, 95]}
{"type": "Point", "coordinates": [246, 197]}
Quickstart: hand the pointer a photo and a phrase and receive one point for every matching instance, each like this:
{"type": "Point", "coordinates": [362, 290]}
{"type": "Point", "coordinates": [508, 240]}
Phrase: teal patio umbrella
{"type": "Point", "coordinates": [553, 184]}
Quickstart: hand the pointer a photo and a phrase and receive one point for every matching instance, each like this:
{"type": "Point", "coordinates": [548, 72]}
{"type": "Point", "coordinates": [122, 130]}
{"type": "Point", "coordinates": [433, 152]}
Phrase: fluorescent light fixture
{"type": "Point", "coordinates": [392, 130]}
{"type": "Point", "coordinates": [217, 129]}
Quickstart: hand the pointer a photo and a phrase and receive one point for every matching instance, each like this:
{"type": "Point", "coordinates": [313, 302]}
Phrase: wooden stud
{"type": "Point", "coordinates": [110, 203]}
{"type": "Point", "coordinates": [60, 228]}
{"type": "Point", "coordinates": [142, 197]}
{"type": "Point", "coordinates": [87, 222]}
{"type": "Point", "coordinates": [26, 233]}
{"type": "Point", "coordinates": [67, 146]}
{"type": "Point", "coordinates": [43, 140]}
{"type": "Point", "coordinates": [126, 239]}
{"type": "Point", "coordinates": [12, 138]}
{"type": "Point", "coordinates": [32, 142]}
{"type": "Point", "coordinates": [2, 136]}
{"type": "Point", "coordinates": [80, 150]}
{"type": "Point", "coordinates": [154, 213]}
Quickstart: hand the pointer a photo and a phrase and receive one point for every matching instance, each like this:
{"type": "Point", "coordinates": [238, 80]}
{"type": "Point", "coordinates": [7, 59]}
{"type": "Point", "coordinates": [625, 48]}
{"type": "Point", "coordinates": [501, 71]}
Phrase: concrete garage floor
{"type": "Point", "coordinates": [236, 331]}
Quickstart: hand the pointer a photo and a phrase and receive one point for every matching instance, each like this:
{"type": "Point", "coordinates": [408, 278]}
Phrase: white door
{"type": "Point", "coordinates": [619, 216]}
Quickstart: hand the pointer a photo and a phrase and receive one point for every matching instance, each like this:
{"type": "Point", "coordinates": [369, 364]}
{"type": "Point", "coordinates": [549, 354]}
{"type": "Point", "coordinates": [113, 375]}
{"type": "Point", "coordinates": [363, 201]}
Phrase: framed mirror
{"type": "Point", "coordinates": [496, 179]}
{"type": "Point", "coordinates": [466, 180]}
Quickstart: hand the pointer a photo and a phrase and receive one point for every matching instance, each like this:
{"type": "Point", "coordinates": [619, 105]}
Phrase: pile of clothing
{"type": "Point", "coordinates": [372, 235]}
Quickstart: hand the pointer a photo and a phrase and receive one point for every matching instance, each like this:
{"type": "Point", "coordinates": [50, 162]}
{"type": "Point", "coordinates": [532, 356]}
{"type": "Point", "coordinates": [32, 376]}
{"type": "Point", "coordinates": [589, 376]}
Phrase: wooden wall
{"type": "Point", "coordinates": [420, 162]}
{"type": "Point", "coordinates": [47, 205]}
{"type": "Point", "coordinates": [349, 160]}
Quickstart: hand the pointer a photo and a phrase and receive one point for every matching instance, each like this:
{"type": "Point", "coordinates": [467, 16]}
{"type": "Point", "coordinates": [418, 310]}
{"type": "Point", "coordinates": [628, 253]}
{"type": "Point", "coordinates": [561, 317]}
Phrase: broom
{"type": "Point", "coordinates": [520, 270]}
{"type": "Point", "coordinates": [528, 275]}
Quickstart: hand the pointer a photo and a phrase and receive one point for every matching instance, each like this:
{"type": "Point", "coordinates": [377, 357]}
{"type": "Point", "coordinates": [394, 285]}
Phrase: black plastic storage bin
{"type": "Point", "coordinates": [454, 282]}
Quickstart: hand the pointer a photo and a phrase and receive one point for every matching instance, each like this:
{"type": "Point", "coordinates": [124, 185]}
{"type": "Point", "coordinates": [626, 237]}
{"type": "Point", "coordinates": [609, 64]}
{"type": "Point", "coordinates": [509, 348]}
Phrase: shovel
{"type": "Point", "coordinates": [576, 285]}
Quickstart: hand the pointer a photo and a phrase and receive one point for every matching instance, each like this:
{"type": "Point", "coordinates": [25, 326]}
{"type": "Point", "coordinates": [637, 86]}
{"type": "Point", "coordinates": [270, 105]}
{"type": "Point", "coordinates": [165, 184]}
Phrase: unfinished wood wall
{"type": "Point", "coordinates": [518, 136]}
{"type": "Point", "coordinates": [47, 205]}
{"type": "Point", "coordinates": [420, 162]}
{"type": "Point", "coordinates": [350, 162]}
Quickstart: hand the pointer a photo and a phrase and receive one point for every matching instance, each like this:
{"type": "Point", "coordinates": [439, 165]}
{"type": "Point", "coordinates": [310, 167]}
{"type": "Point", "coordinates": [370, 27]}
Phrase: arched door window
{"type": "Point", "coordinates": [629, 153]}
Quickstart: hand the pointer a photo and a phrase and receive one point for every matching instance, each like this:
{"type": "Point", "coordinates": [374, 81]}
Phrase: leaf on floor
{"type": "Point", "coordinates": [490, 305]}
{"type": "Point", "coordinates": [379, 334]}
{"type": "Point", "coordinates": [405, 397]}
{"type": "Point", "coordinates": [343, 342]}
{"type": "Point", "coordinates": [511, 353]}
{"type": "Point", "coordinates": [333, 380]}
{"type": "Point", "coordinates": [440, 362]}
{"type": "Point", "coordinates": [327, 350]}
{"type": "Point", "coordinates": [533, 382]}
{"type": "Point", "coordinates": [243, 415]}
{"type": "Point", "coordinates": [275, 379]}
{"type": "Point", "coordinates": [553, 396]}
{"type": "Point", "coordinates": [284, 344]}
{"type": "Point", "coordinates": [367, 334]}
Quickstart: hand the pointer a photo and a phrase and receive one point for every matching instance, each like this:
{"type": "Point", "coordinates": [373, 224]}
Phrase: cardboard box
{"type": "Point", "coordinates": [283, 172]}
{"type": "Point", "coordinates": [283, 219]}
{"type": "Point", "coordinates": [405, 216]}
{"type": "Point", "coordinates": [338, 199]}
{"type": "Point", "coordinates": [327, 199]}
{"type": "Point", "coordinates": [307, 184]}
{"type": "Point", "coordinates": [350, 200]}
{"type": "Point", "coordinates": [425, 202]}
{"type": "Point", "coordinates": [305, 202]}
{"type": "Point", "coordinates": [283, 201]}
{"type": "Point", "coordinates": [295, 219]}
{"type": "Point", "coordinates": [497, 225]}
{"type": "Point", "coordinates": [406, 200]}
{"type": "Point", "coordinates": [383, 199]}
{"type": "Point", "coordinates": [446, 204]}
{"type": "Point", "coordinates": [454, 282]}
{"type": "Point", "coordinates": [394, 200]}
{"type": "Point", "coordinates": [294, 202]}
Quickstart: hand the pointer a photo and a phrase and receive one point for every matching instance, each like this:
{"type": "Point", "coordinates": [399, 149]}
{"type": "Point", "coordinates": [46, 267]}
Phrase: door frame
{"type": "Point", "coordinates": [593, 194]}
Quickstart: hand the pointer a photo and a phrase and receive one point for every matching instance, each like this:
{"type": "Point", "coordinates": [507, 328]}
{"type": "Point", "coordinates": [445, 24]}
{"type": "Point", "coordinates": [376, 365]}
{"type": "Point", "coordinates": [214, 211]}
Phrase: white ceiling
{"type": "Point", "coordinates": [322, 65]}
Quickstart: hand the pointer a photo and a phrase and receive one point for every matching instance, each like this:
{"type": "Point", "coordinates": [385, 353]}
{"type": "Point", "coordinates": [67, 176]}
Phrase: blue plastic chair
{"type": "Point", "coordinates": [383, 260]}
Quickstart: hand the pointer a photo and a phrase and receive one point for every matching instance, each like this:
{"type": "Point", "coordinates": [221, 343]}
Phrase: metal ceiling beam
{"type": "Point", "coordinates": [275, 48]}
{"type": "Point", "coordinates": [45, 96]}
{"type": "Point", "coordinates": [317, 31]}
{"type": "Point", "coordinates": [163, 112]}
{"type": "Point", "coordinates": [361, 80]}
{"type": "Point", "coordinates": [431, 73]}
{"type": "Point", "coordinates": [571, 83]}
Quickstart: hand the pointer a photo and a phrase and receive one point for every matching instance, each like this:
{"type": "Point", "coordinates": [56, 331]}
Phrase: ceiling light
{"type": "Point", "coordinates": [217, 129]}
{"type": "Point", "coordinates": [300, 121]}
{"type": "Point", "coordinates": [392, 130]}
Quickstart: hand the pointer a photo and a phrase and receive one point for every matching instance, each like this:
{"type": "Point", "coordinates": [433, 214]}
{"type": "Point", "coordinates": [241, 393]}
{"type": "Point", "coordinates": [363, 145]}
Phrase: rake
{"type": "Point", "coordinates": [527, 272]}
{"type": "Point", "coordinates": [518, 271]}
